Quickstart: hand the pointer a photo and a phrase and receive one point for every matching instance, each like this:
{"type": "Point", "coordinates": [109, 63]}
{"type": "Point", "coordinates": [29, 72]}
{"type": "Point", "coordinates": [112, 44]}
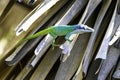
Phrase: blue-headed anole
{"type": "Point", "coordinates": [60, 30]}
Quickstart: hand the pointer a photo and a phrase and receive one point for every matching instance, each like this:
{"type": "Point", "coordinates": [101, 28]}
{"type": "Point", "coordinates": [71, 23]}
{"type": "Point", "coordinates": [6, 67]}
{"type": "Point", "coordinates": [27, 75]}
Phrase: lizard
{"type": "Point", "coordinates": [60, 30]}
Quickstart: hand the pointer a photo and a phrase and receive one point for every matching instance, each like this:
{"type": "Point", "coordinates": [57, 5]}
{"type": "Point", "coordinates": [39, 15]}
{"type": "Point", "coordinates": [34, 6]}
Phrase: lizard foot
{"type": "Point", "coordinates": [55, 45]}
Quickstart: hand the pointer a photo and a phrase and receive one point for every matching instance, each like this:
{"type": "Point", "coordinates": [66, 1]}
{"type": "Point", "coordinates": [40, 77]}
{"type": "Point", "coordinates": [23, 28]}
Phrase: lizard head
{"type": "Point", "coordinates": [81, 28]}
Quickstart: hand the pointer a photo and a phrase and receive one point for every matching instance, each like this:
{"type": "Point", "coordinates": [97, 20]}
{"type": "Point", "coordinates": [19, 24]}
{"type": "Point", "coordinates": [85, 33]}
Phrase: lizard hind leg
{"type": "Point", "coordinates": [53, 44]}
{"type": "Point", "coordinates": [53, 40]}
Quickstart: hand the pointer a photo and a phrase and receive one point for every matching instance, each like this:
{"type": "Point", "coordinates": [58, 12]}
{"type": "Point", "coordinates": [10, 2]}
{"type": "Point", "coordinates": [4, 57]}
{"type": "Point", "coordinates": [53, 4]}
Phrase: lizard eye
{"type": "Point", "coordinates": [81, 27]}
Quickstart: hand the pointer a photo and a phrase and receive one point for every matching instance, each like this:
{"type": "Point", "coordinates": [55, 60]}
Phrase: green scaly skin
{"type": "Point", "coordinates": [55, 31]}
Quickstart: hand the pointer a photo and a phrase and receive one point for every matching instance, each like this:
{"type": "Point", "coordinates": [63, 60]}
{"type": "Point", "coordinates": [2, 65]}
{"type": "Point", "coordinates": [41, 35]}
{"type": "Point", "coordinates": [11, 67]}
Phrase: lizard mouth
{"type": "Point", "coordinates": [89, 29]}
{"type": "Point", "coordinates": [86, 29]}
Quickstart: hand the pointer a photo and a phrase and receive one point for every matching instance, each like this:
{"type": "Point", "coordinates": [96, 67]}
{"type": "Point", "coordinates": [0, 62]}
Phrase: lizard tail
{"type": "Point", "coordinates": [40, 33]}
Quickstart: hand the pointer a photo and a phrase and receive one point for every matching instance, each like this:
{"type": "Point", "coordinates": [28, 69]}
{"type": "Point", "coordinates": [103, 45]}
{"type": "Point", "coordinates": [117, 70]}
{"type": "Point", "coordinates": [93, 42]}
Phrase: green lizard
{"type": "Point", "coordinates": [61, 30]}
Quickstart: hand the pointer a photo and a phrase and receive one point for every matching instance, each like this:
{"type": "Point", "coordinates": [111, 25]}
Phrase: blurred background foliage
{"type": "Point", "coordinates": [20, 63]}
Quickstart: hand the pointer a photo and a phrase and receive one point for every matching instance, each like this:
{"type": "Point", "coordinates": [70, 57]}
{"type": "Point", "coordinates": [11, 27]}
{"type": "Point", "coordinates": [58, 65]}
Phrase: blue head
{"type": "Point", "coordinates": [83, 28]}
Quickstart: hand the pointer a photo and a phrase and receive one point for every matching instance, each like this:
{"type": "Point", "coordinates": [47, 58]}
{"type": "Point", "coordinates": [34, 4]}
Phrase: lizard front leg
{"type": "Point", "coordinates": [67, 37]}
